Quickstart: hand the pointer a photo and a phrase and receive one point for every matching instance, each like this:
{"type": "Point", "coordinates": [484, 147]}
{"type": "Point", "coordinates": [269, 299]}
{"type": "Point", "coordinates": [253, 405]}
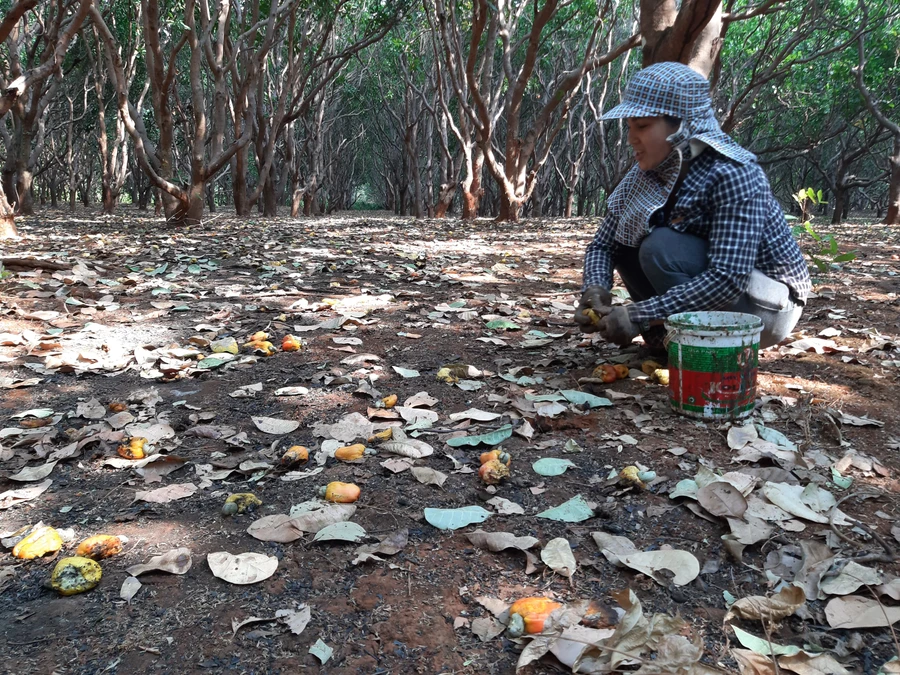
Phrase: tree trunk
{"type": "Point", "coordinates": [270, 199]}
{"type": "Point", "coordinates": [839, 207]}
{"type": "Point", "coordinates": [893, 211]}
{"type": "Point", "coordinates": [7, 219]}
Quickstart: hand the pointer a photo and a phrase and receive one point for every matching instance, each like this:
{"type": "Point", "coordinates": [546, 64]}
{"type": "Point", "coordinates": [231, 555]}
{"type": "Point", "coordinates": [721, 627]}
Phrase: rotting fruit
{"type": "Point", "coordinates": [240, 502]}
{"type": "Point", "coordinates": [294, 455]}
{"type": "Point", "coordinates": [500, 455]}
{"type": "Point", "coordinates": [99, 546]}
{"type": "Point", "coordinates": [532, 613]}
{"type": "Point", "coordinates": [134, 449]}
{"type": "Point", "coordinates": [493, 472]}
{"type": "Point", "coordinates": [606, 373]}
{"type": "Point", "coordinates": [592, 315]}
{"type": "Point", "coordinates": [42, 540]}
{"type": "Point", "coordinates": [75, 575]}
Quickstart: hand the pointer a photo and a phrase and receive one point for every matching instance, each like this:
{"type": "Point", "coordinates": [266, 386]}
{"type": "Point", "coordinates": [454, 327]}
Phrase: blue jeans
{"type": "Point", "coordinates": [667, 258]}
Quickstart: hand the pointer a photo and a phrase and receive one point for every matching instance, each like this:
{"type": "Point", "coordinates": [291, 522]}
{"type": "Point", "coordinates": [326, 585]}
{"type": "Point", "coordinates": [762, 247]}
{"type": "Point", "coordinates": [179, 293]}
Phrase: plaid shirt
{"type": "Point", "coordinates": [731, 206]}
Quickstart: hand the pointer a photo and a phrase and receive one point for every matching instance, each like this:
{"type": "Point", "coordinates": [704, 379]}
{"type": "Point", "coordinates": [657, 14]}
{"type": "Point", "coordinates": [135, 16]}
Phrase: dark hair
{"type": "Point", "coordinates": [672, 121]}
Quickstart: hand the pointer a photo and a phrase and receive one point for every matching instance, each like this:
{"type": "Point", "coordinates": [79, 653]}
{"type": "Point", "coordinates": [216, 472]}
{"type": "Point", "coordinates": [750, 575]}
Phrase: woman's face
{"type": "Point", "coordinates": [647, 135]}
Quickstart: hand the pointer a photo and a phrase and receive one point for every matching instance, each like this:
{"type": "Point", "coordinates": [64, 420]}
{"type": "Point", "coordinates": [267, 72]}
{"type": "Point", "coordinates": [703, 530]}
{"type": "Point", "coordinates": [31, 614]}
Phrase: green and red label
{"type": "Point", "coordinates": [713, 380]}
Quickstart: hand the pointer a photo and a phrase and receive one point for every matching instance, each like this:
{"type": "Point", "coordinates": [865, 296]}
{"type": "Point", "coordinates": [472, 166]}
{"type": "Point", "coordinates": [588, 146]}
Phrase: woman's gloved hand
{"type": "Point", "coordinates": [595, 303]}
{"type": "Point", "coordinates": [617, 327]}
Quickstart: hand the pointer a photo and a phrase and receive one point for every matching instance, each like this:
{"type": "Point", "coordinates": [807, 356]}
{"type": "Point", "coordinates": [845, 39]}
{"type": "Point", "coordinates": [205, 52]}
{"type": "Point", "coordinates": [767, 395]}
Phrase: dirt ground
{"type": "Point", "coordinates": [132, 314]}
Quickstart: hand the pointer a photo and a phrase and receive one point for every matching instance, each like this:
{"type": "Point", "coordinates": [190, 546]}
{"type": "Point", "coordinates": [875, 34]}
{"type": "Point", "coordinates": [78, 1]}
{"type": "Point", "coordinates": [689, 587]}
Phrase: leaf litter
{"type": "Point", "coordinates": [740, 487]}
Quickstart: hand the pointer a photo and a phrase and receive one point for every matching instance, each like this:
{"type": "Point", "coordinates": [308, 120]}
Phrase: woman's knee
{"type": "Point", "coordinates": [671, 258]}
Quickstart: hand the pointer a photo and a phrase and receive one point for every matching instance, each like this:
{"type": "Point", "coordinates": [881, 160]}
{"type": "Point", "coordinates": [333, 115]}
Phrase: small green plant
{"type": "Point", "coordinates": [806, 198]}
{"type": "Point", "coordinates": [829, 252]}
{"type": "Point", "coordinates": [4, 273]}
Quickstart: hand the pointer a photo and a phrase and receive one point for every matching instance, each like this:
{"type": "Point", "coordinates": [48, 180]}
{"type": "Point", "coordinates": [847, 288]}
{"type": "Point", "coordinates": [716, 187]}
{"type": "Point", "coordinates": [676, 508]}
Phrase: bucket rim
{"type": "Point", "coordinates": [722, 323]}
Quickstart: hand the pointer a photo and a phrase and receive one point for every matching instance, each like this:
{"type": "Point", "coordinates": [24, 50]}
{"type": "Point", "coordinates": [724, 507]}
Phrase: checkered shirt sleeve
{"type": "Point", "coordinates": [598, 258]}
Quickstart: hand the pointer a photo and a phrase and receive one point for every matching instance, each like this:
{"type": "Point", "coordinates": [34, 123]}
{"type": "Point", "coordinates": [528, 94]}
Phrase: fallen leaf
{"type": "Point", "coordinates": [343, 531]}
{"type": "Point", "coordinates": [241, 569]}
{"type": "Point", "coordinates": [175, 561]}
{"type": "Point", "coordinates": [284, 528]}
{"type": "Point", "coordinates": [614, 547]}
{"type": "Point", "coordinates": [574, 510]}
{"type": "Point", "coordinates": [428, 476]}
{"type": "Point", "coordinates": [453, 519]}
{"type": "Point", "coordinates": [809, 664]}
{"type": "Point", "coordinates": [33, 473]}
{"type": "Point", "coordinates": [505, 507]}
{"type": "Point", "coordinates": [682, 564]}
{"type": "Point", "coordinates": [558, 556]}
{"type": "Point", "coordinates": [274, 426]}
{"type": "Point", "coordinates": [850, 578]}
{"type": "Point", "coordinates": [390, 544]}
{"type": "Point", "coordinates": [295, 619]}
{"type": "Point", "coordinates": [13, 497]}
{"type": "Point", "coordinates": [722, 499]}
{"type": "Point", "coordinates": [167, 494]}
{"type": "Point", "coordinates": [321, 651]}
{"type": "Point", "coordinates": [552, 466]}
{"type": "Point", "coordinates": [760, 608]}
{"type": "Point", "coordinates": [409, 447]}
{"type": "Point", "coordinates": [854, 611]}
{"type": "Point", "coordinates": [129, 589]}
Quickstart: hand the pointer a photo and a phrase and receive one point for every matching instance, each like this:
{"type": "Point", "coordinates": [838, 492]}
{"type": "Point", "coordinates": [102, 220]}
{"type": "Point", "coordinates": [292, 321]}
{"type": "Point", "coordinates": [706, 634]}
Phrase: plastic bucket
{"type": "Point", "coordinates": [713, 362]}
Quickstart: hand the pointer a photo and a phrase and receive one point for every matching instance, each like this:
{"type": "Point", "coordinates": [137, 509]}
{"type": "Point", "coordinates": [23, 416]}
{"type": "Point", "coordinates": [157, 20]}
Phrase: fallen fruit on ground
{"type": "Point", "coordinates": [350, 453]}
{"type": "Point", "coordinates": [605, 372]}
{"type": "Point", "coordinates": [387, 402]}
{"type": "Point", "coordinates": [134, 449]}
{"type": "Point", "coordinates": [630, 476]}
{"type": "Point", "coordinates": [99, 546]}
{"type": "Point", "coordinates": [290, 344]}
{"type": "Point", "coordinates": [647, 367]}
{"type": "Point", "coordinates": [500, 455]}
{"type": "Point", "coordinates": [294, 455]}
{"type": "Point", "coordinates": [340, 493]}
{"type": "Point", "coordinates": [493, 472]}
{"type": "Point", "coordinates": [240, 502]}
{"type": "Point", "coordinates": [263, 347]}
{"type": "Point", "coordinates": [381, 436]}
{"type": "Point", "coordinates": [75, 575]}
{"type": "Point", "coordinates": [42, 540]}
{"type": "Point", "coordinates": [531, 613]}
{"type": "Point", "coordinates": [660, 375]}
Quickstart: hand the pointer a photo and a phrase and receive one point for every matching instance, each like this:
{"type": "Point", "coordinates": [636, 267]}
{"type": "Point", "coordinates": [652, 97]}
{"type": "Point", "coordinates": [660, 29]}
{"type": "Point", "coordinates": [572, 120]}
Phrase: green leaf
{"type": "Point", "coordinates": [344, 531]}
{"type": "Point", "coordinates": [502, 324]}
{"type": "Point", "coordinates": [490, 438]}
{"type": "Point", "coordinates": [582, 398]}
{"type": "Point", "coordinates": [844, 257]}
{"type": "Point", "coordinates": [552, 466]}
{"type": "Point", "coordinates": [406, 372]}
{"type": "Point", "coordinates": [194, 269]}
{"type": "Point", "coordinates": [453, 519]}
{"type": "Point", "coordinates": [573, 511]}
{"type": "Point", "coordinates": [321, 651]}
{"type": "Point", "coordinates": [211, 362]}
{"type": "Point", "coordinates": [762, 646]}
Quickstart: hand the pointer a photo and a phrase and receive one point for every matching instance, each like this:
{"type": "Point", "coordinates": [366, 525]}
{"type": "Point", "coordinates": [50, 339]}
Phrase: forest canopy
{"type": "Point", "coordinates": [444, 107]}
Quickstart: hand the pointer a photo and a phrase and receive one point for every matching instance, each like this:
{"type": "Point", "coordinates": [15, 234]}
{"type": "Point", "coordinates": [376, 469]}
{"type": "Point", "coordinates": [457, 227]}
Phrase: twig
{"type": "Point", "coordinates": [888, 556]}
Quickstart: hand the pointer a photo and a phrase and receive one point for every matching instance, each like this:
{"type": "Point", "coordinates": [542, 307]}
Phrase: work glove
{"type": "Point", "coordinates": [599, 301]}
{"type": "Point", "coordinates": [617, 327]}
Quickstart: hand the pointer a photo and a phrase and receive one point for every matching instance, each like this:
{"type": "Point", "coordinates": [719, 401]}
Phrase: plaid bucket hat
{"type": "Point", "coordinates": [679, 91]}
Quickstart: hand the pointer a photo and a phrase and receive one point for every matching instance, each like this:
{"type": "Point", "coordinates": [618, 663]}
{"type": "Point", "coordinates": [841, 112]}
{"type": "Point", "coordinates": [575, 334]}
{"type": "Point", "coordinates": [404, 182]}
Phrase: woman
{"type": "Point", "coordinates": [693, 226]}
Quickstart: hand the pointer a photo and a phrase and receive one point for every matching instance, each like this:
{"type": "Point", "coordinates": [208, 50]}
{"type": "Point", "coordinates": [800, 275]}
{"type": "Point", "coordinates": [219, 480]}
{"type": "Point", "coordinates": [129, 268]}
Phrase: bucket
{"type": "Point", "coordinates": [713, 362]}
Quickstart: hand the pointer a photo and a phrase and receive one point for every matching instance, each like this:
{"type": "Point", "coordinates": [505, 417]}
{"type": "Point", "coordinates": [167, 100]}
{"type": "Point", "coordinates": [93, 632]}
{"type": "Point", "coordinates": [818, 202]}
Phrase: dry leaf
{"type": "Point", "coordinates": [33, 473]}
{"type": "Point", "coordinates": [129, 589]}
{"type": "Point", "coordinates": [284, 529]}
{"type": "Point", "coordinates": [428, 476]}
{"type": "Point", "coordinates": [614, 547]}
{"type": "Point", "coordinates": [241, 569]}
{"type": "Point", "coordinates": [558, 556]}
{"type": "Point", "coordinates": [683, 564]}
{"type": "Point", "coordinates": [758, 607]}
{"type": "Point", "coordinates": [808, 664]}
{"type": "Point", "coordinates": [410, 447]}
{"type": "Point", "coordinates": [167, 494]}
{"type": "Point", "coordinates": [13, 497]}
{"type": "Point", "coordinates": [295, 619]}
{"type": "Point", "coordinates": [722, 499]}
{"type": "Point", "coordinates": [850, 578]}
{"type": "Point", "coordinates": [854, 611]}
{"type": "Point", "coordinates": [176, 561]}
{"type": "Point", "coordinates": [274, 426]}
